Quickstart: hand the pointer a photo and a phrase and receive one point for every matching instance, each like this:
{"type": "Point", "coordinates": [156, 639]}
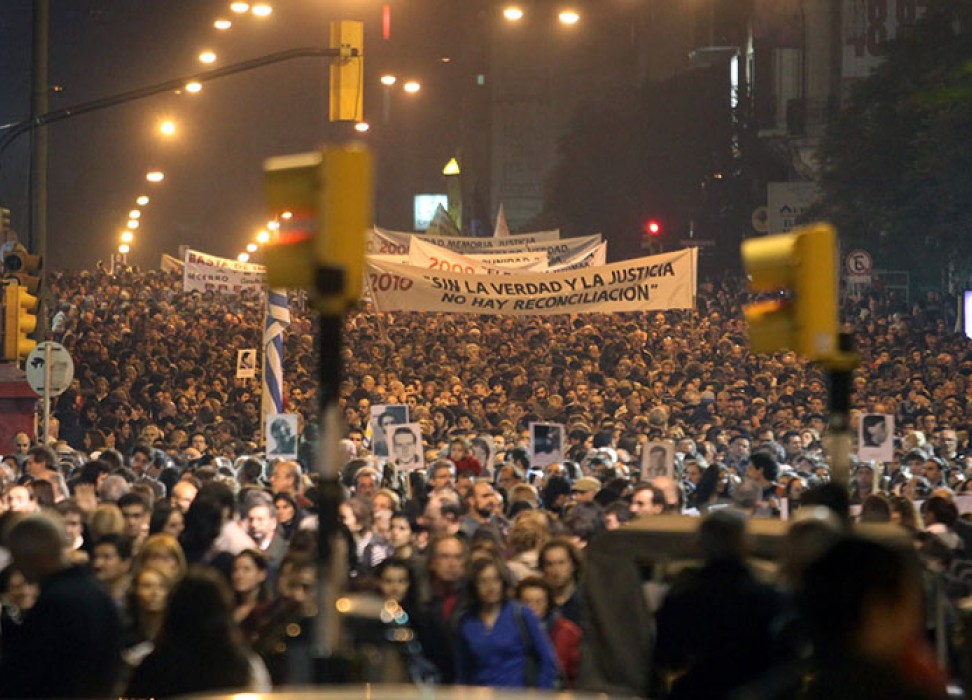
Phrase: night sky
{"type": "Point", "coordinates": [211, 198]}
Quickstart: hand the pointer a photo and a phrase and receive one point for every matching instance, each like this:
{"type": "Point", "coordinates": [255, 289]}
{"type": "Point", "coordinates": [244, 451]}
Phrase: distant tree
{"type": "Point", "coordinates": [674, 151]}
{"type": "Point", "coordinates": [896, 161]}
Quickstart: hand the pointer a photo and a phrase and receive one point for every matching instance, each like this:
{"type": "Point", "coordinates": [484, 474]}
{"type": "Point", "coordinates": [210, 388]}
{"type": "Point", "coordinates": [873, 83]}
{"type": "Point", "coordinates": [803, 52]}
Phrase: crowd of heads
{"type": "Point", "coordinates": [157, 458]}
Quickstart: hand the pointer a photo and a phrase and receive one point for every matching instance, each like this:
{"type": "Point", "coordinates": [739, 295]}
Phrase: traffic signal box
{"type": "Point", "coordinates": [801, 269]}
{"type": "Point", "coordinates": [347, 71]}
{"type": "Point", "coordinates": [19, 321]}
{"type": "Point", "coordinates": [323, 201]}
{"type": "Point", "coordinates": [21, 282]}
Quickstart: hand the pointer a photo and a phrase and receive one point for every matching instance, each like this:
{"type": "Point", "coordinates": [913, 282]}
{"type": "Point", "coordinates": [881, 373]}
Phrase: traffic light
{"type": "Point", "coordinates": [347, 72]}
{"type": "Point", "coordinates": [653, 227]}
{"type": "Point", "coordinates": [21, 266]}
{"type": "Point", "coordinates": [800, 269]}
{"type": "Point", "coordinates": [329, 197]}
{"type": "Point", "coordinates": [19, 322]}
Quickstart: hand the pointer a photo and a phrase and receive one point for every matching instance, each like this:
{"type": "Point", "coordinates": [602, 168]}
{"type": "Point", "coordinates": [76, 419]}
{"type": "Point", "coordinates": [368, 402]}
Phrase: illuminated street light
{"type": "Point", "coordinates": [411, 86]}
{"type": "Point", "coordinates": [243, 257]}
{"type": "Point", "coordinates": [127, 237]}
{"type": "Point", "coordinates": [124, 249]}
{"type": "Point", "coordinates": [155, 176]}
{"type": "Point", "coordinates": [263, 237]}
{"type": "Point", "coordinates": [222, 24]}
{"type": "Point", "coordinates": [132, 224]}
{"type": "Point", "coordinates": [569, 17]}
{"type": "Point", "coordinates": [361, 127]}
{"type": "Point", "coordinates": [207, 57]}
{"type": "Point", "coordinates": [388, 80]}
{"type": "Point", "coordinates": [194, 86]}
{"type": "Point", "coordinates": [513, 13]}
{"type": "Point", "coordinates": [261, 9]}
{"type": "Point", "coordinates": [287, 215]}
{"type": "Point", "coordinates": [167, 128]}
{"type": "Point", "coordinates": [273, 225]}
{"type": "Point", "coordinates": [134, 214]}
{"type": "Point", "coordinates": [142, 200]}
{"type": "Point", "coordinates": [240, 7]}
{"type": "Point", "coordinates": [252, 247]}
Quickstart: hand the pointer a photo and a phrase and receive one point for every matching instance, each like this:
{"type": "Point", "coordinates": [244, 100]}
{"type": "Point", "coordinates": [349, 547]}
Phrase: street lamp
{"type": "Point", "coordinates": [207, 57]}
{"type": "Point", "coordinates": [243, 257]}
{"type": "Point", "coordinates": [167, 127]}
{"type": "Point", "coordinates": [412, 86]}
{"type": "Point", "coordinates": [361, 127]}
{"type": "Point", "coordinates": [252, 247]}
{"type": "Point", "coordinates": [261, 9]}
{"type": "Point", "coordinates": [513, 13]}
{"type": "Point", "coordinates": [222, 24]}
{"type": "Point", "coordinates": [194, 86]}
{"type": "Point", "coordinates": [134, 214]}
{"type": "Point", "coordinates": [569, 17]}
{"type": "Point", "coordinates": [240, 7]}
{"type": "Point", "coordinates": [263, 237]}
{"type": "Point", "coordinates": [132, 224]}
{"type": "Point", "coordinates": [142, 200]}
{"type": "Point", "coordinates": [388, 80]}
{"type": "Point", "coordinates": [127, 237]}
{"type": "Point", "coordinates": [155, 176]}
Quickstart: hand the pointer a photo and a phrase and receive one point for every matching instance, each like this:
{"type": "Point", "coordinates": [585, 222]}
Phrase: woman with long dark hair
{"type": "Point", "coordinates": [500, 642]}
{"type": "Point", "coordinates": [199, 648]}
{"type": "Point", "coordinates": [250, 587]}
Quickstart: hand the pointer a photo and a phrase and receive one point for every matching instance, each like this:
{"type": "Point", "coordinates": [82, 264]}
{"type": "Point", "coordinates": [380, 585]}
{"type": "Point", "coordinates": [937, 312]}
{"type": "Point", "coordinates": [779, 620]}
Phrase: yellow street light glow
{"type": "Point", "coordinates": [134, 214]}
{"type": "Point", "coordinates": [132, 224]}
{"type": "Point", "coordinates": [451, 168]}
{"type": "Point", "coordinates": [569, 17]}
{"type": "Point", "coordinates": [287, 215]}
{"type": "Point", "coordinates": [411, 86]}
{"type": "Point", "coordinates": [388, 80]}
{"type": "Point", "coordinates": [243, 257]}
{"type": "Point", "coordinates": [513, 13]}
{"type": "Point", "coordinates": [252, 247]}
{"type": "Point", "coordinates": [167, 127]}
{"type": "Point", "coordinates": [222, 24]}
{"type": "Point", "coordinates": [273, 225]}
{"type": "Point", "coordinates": [142, 200]}
{"type": "Point", "coordinates": [155, 176]}
{"type": "Point", "coordinates": [127, 237]}
{"type": "Point", "coordinates": [240, 7]}
{"type": "Point", "coordinates": [207, 57]}
{"type": "Point", "coordinates": [361, 127]}
{"type": "Point", "coordinates": [263, 237]}
{"type": "Point", "coordinates": [261, 9]}
{"type": "Point", "coordinates": [124, 248]}
{"type": "Point", "coordinates": [194, 86]}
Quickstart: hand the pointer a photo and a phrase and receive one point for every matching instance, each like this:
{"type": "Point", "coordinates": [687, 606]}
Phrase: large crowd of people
{"type": "Point", "coordinates": [157, 472]}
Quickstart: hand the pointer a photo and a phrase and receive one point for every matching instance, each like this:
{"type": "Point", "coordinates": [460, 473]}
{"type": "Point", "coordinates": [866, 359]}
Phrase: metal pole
{"type": "Point", "coordinates": [47, 393]}
{"type": "Point", "coordinates": [38, 150]}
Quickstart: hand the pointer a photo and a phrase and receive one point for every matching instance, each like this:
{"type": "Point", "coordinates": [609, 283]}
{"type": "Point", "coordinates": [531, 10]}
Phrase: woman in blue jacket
{"type": "Point", "coordinates": [500, 642]}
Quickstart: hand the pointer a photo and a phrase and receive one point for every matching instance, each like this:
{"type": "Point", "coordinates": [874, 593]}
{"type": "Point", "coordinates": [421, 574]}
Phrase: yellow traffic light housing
{"type": "Point", "coordinates": [329, 197]}
{"type": "Point", "coordinates": [347, 72]}
{"type": "Point", "coordinates": [802, 268]}
{"type": "Point", "coordinates": [19, 322]}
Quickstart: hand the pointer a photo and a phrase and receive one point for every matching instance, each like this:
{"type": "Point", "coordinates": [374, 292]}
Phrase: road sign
{"type": "Point", "coordinates": [859, 262]}
{"type": "Point", "coordinates": [61, 371]}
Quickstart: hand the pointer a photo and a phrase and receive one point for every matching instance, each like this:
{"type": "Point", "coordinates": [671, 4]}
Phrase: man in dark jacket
{"type": "Point", "coordinates": [70, 645]}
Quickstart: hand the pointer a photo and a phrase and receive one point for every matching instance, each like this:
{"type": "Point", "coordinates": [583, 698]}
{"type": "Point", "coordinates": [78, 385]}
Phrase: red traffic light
{"type": "Point", "coordinates": [652, 227]}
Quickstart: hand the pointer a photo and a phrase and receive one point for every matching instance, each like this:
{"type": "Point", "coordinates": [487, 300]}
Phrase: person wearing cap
{"type": "Point", "coordinates": [585, 489]}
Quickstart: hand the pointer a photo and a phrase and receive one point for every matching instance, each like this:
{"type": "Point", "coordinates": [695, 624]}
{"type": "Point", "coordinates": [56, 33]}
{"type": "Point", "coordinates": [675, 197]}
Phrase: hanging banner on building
{"type": "Point", "coordinates": [384, 242]}
{"type": "Point", "coordinates": [659, 282]}
{"type": "Point", "coordinates": [433, 257]}
{"type": "Point", "coordinates": [203, 273]}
